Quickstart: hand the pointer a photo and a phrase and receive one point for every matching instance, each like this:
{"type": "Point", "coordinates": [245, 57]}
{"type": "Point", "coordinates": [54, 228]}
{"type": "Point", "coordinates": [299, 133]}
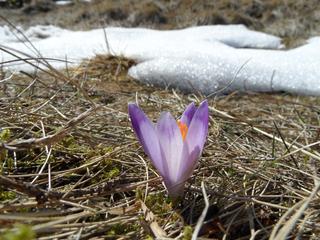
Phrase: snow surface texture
{"type": "Point", "coordinates": [67, 2]}
{"type": "Point", "coordinates": [207, 59]}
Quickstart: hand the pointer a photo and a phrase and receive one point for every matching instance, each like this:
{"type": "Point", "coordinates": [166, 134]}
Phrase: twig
{"type": "Point", "coordinates": [157, 231]}
{"type": "Point", "coordinates": [203, 214]}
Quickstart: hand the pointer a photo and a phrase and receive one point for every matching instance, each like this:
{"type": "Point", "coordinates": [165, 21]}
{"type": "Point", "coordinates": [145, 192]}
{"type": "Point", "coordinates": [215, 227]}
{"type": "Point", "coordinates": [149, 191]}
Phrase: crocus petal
{"type": "Point", "coordinates": [176, 185]}
{"type": "Point", "coordinates": [198, 128]}
{"type": "Point", "coordinates": [147, 136]}
{"type": "Point", "coordinates": [190, 159]}
{"type": "Point", "coordinates": [171, 144]}
{"type": "Point", "coordinates": [197, 133]}
{"type": "Point", "coordinates": [188, 114]}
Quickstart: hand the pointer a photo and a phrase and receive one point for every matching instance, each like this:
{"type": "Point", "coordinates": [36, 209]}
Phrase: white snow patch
{"type": "Point", "coordinates": [67, 2]}
{"type": "Point", "coordinates": [209, 59]}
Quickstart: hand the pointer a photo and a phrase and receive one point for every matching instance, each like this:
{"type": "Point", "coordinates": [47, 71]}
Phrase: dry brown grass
{"type": "Point", "coordinates": [72, 167]}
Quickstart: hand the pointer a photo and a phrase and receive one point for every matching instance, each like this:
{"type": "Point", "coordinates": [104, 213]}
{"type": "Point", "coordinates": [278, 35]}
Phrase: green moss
{"type": "Point", "coordinates": [70, 143]}
{"type": "Point", "coordinates": [110, 170]}
{"type": "Point", "coordinates": [5, 135]}
{"type": "Point", "coordinates": [121, 229]}
{"type": "Point", "coordinates": [3, 156]}
{"type": "Point", "coordinates": [7, 195]}
{"type": "Point", "coordinates": [112, 173]}
{"type": "Point", "coordinates": [105, 150]}
{"type": "Point", "coordinates": [99, 151]}
{"type": "Point", "coordinates": [74, 146]}
{"type": "Point", "coordinates": [10, 163]}
{"type": "Point", "coordinates": [158, 203]}
{"type": "Point", "coordinates": [139, 193]}
{"type": "Point", "coordinates": [148, 237]}
{"type": "Point", "coordinates": [231, 171]}
{"type": "Point", "coordinates": [21, 232]}
{"type": "Point", "coordinates": [187, 233]}
{"type": "Point", "coordinates": [306, 160]}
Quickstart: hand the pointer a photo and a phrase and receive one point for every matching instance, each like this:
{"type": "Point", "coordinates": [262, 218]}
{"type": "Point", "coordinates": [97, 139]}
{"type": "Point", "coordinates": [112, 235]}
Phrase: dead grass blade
{"type": "Point", "coordinates": [282, 233]}
{"type": "Point", "coordinates": [149, 217]}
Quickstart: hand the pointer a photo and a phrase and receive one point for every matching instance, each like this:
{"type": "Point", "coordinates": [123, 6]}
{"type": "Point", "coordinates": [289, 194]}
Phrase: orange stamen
{"type": "Point", "coordinates": [183, 129]}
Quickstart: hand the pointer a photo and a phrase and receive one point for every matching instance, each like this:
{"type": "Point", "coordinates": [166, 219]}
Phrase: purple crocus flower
{"type": "Point", "coordinates": [174, 147]}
